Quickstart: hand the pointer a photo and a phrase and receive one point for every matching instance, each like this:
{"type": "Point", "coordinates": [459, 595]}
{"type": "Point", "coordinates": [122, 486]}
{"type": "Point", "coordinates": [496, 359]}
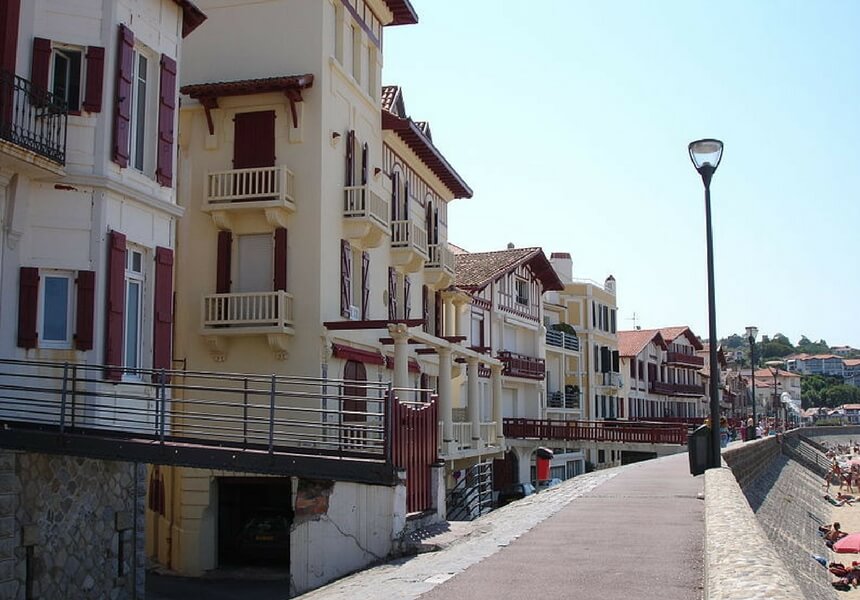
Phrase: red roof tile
{"type": "Point", "coordinates": [631, 343]}
{"type": "Point", "coordinates": [851, 362]}
{"type": "Point", "coordinates": [244, 87]}
{"type": "Point", "coordinates": [476, 270]}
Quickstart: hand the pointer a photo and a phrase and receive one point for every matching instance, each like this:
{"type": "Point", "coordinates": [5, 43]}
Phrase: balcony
{"type": "Point", "coordinates": [596, 431]}
{"type": "Point", "coordinates": [33, 126]}
{"type": "Point", "coordinates": [520, 365]}
{"type": "Point", "coordinates": [612, 380]}
{"type": "Point", "coordinates": [249, 313]}
{"type": "Point", "coordinates": [675, 389]}
{"type": "Point", "coordinates": [687, 360]}
{"type": "Point", "coordinates": [563, 400]}
{"type": "Point", "coordinates": [560, 339]}
{"type": "Point", "coordinates": [365, 215]}
{"type": "Point", "coordinates": [439, 268]}
{"type": "Point", "coordinates": [236, 192]}
{"type": "Point", "coordinates": [462, 443]}
{"type": "Point", "coordinates": [408, 245]}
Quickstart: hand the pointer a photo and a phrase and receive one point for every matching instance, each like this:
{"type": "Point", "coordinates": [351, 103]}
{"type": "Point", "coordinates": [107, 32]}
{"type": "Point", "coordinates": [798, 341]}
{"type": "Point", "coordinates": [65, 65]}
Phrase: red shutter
{"type": "Point", "coordinates": [425, 308]}
{"type": "Point", "coordinates": [280, 259]}
{"type": "Point", "coordinates": [10, 14]}
{"type": "Point", "coordinates": [28, 300]}
{"type": "Point", "coordinates": [365, 285]}
{"type": "Point", "coordinates": [364, 158]}
{"type": "Point", "coordinates": [407, 288]}
{"type": "Point", "coordinates": [41, 64]}
{"type": "Point", "coordinates": [405, 216]}
{"type": "Point", "coordinates": [162, 331]}
{"type": "Point", "coordinates": [95, 79]}
{"type": "Point", "coordinates": [392, 293]}
{"type": "Point", "coordinates": [395, 196]}
{"type": "Point", "coordinates": [115, 308]}
{"type": "Point", "coordinates": [345, 277]}
{"type": "Point", "coordinates": [166, 108]}
{"type": "Point", "coordinates": [438, 316]}
{"type": "Point", "coordinates": [124, 77]}
{"type": "Point", "coordinates": [225, 250]}
{"type": "Point", "coordinates": [254, 140]}
{"type": "Point", "coordinates": [85, 307]}
{"type": "Point", "coordinates": [350, 158]}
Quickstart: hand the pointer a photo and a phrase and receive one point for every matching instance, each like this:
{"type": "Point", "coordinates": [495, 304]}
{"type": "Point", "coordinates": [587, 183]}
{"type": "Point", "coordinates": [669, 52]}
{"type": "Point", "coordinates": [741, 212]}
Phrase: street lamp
{"type": "Point", "coordinates": [773, 367]}
{"type": "Point", "coordinates": [706, 155]}
{"type": "Point", "coordinates": [752, 332]}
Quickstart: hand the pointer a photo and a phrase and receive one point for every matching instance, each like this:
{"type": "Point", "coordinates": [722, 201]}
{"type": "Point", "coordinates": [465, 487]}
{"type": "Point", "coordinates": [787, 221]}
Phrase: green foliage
{"type": "Point", "coordinates": [564, 327]}
{"type": "Point", "coordinates": [773, 349]}
{"type": "Point", "coordinates": [810, 347]}
{"type": "Point", "coordinates": [820, 390]}
{"type": "Point", "coordinates": [734, 342]}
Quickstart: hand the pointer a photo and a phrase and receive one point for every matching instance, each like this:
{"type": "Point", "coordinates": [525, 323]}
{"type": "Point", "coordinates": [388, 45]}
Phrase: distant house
{"type": "Point", "coordinates": [844, 350]}
{"type": "Point", "coordinates": [852, 371]}
{"type": "Point", "coordinates": [815, 364]}
{"type": "Point", "coordinates": [851, 413]}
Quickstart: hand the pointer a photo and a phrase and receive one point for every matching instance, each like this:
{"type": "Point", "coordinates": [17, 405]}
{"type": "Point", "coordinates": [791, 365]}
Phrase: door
{"type": "Point", "coordinates": [254, 140]}
{"type": "Point", "coordinates": [255, 265]}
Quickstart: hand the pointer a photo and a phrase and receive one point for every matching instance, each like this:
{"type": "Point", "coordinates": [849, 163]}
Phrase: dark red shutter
{"type": "Point", "coordinates": [365, 285]}
{"type": "Point", "coordinates": [254, 140]}
{"type": "Point", "coordinates": [124, 78]}
{"type": "Point", "coordinates": [345, 277]}
{"type": "Point", "coordinates": [95, 79]}
{"type": "Point", "coordinates": [166, 108]}
{"type": "Point", "coordinates": [162, 331]}
{"type": "Point", "coordinates": [439, 309]}
{"type": "Point", "coordinates": [225, 251]}
{"type": "Point", "coordinates": [392, 293]}
{"type": "Point", "coordinates": [84, 309]}
{"type": "Point", "coordinates": [395, 196]}
{"type": "Point", "coordinates": [405, 215]}
{"type": "Point", "coordinates": [350, 158]}
{"type": "Point", "coordinates": [364, 158]}
{"type": "Point", "coordinates": [41, 64]}
{"type": "Point", "coordinates": [28, 300]}
{"type": "Point", "coordinates": [115, 308]}
{"type": "Point", "coordinates": [425, 308]}
{"type": "Point", "coordinates": [10, 14]}
{"type": "Point", "coordinates": [280, 259]}
{"type": "Point", "coordinates": [407, 288]}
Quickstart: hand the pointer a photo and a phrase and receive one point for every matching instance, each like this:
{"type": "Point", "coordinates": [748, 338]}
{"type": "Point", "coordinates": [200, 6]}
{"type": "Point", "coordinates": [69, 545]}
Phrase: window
{"type": "Point", "coordinates": [55, 318]}
{"type": "Point", "coordinates": [522, 292]}
{"type": "Point", "coordinates": [66, 76]}
{"type": "Point", "coordinates": [356, 53]}
{"type": "Point", "coordinates": [133, 310]}
{"type": "Point", "coordinates": [139, 125]}
{"type": "Point", "coordinates": [338, 32]}
{"type": "Point", "coordinates": [372, 77]}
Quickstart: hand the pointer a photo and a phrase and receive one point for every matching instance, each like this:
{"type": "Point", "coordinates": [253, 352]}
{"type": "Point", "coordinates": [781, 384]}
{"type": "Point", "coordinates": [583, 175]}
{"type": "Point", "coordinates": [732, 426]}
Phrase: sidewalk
{"type": "Point", "coordinates": [630, 532]}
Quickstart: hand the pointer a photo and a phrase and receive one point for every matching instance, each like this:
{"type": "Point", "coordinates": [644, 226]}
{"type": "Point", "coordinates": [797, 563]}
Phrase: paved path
{"type": "Point", "coordinates": [632, 532]}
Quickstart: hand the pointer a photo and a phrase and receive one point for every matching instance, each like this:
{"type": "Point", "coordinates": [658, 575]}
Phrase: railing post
{"type": "Point", "coordinates": [162, 392]}
{"type": "Point", "coordinates": [74, 392]}
{"type": "Point", "coordinates": [389, 439]}
{"type": "Point", "coordinates": [63, 398]}
{"type": "Point", "coordinates": [245, 413]}
{"type": "Point", "coordinates": [272, 415]}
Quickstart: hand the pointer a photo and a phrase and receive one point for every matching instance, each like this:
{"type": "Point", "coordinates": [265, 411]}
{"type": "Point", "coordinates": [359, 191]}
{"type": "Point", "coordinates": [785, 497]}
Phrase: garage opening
{"type": "Point", "coordinates": [254, 519]}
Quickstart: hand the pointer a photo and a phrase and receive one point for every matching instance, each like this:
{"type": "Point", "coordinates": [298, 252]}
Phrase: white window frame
{"type": "Point", "coordinates": [143, 160]}
{"type": "Point", "coordinates": [66, 343]}
{"type": "Point", "coordinates": [338, 31]}
{"type": "Point", "coordinates": [521, 285]}
{"type": "Point", "coordinates": [139, 277]}
{"type": "Point", "coordinates": [64, 49]}
{"type": "Point", "coordinates": [357, 35]}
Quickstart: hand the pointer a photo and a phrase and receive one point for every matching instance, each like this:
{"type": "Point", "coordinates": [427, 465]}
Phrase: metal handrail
{"type": "Point", "coordinates": [32, 117]}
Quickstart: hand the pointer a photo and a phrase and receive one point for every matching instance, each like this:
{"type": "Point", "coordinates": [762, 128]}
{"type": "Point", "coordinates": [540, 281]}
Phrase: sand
{"type": "Point", "coordinates": [849, 518]}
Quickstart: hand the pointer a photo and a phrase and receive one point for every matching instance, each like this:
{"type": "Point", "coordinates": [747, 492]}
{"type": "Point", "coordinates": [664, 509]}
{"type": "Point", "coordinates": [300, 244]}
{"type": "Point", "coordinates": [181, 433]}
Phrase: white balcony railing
{"type": "Point", "coordinates": [251, 309]}
{"type": "Point", "coordinates": [361, 202]}
{"type": "Point", "coordinates": [440, 257]}
{"type": "Point", "coordinates": [408, 234]}
{"type": "Point", "coordinates": [255, 184]}
{"type": "Point", "coordinates": [488, 433]}
{"type": "Point", "coordinates": [463, 435]}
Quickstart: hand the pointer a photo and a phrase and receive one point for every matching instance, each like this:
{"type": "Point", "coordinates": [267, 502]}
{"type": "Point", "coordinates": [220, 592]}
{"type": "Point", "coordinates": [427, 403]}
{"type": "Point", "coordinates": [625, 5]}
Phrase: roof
{"type": "Point", "coordinates": [404, 13]}
{"type": "Point", "coordinates": [852, 362]}
{"type": "Point", "coordinates": [476, 270]}
{"type": "Point", "coordinates": [851, 406]}
{"type": "Point", "coordinates": [631, 343]}
{"type": "Point", "coordinates": [417, 137]}
{"type": "Point", "coordinates": [192, 16]}
{"type": "Point", "coordinates": [781, 373]}
{"type": "Point", "coordinates": [242, 87]}
{"type": "Point", "coordinates": [670, 334]}
{"type": "Point", "coordinates": [456, 249]}
{"type": "Point", "coordinates": [805, 356]}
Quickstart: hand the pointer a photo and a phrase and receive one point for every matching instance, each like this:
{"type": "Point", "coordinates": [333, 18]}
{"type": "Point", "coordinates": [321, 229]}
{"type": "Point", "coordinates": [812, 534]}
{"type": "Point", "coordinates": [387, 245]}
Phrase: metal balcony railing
{"type": "Point", "coordinates": [561, 339]}
{"type": "Point", "coordinates": [565, 400]}
{"type": "Point", "coordinates": [249, 309]}
{"type": "Point", "coordinates": [598, 431]}
{"type": "Point", "coordinates": [361, 202]}
{"type": "Point", "coordinates": [248, 185]}
{"type": "Point", "coordinates": [33, 118]}
{"type": "Point", "coordinates": [520, 365]}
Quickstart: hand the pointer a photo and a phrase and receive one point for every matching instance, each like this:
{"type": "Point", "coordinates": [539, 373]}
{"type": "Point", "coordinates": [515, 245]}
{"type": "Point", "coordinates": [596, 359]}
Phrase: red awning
{"type": "Point", "coordinates": [369, 357]}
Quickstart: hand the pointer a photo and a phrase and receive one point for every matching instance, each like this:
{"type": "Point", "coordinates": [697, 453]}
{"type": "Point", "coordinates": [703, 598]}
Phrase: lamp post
{"type": "Point", "coordinates": [752, 332]}
{"type": "Point", "coordinates": [706, 155]}
{"type": "Point", "coordinates": [773, 367]}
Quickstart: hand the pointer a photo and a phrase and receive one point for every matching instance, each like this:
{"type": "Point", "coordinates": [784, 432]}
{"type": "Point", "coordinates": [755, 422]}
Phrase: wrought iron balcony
{"type": "Point", "coordinates": [560, 339]}
{"type": "Point", "coordinates": [679, 358]}
{"type": "Point", "coordinates": [32, 118]}
{"type": "Point", "coordinates": [366, 214]}
{"type": "Point", "coordinates": [520, 365]}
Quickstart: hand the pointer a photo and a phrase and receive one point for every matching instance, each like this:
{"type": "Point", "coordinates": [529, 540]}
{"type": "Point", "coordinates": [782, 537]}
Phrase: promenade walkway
{"type": "Point", "coordinates": [631, 532]}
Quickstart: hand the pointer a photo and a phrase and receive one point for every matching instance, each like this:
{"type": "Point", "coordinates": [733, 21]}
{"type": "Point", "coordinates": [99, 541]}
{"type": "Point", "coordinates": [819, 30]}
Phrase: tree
{"type": "Point", "coordinates": [809, 347]}
{"type": "Point", "coordinates": [733, 342]}
{"type": "Point", "coordinates": [773, 349]}
{"type": "Point", "coordinates": [843, 394]}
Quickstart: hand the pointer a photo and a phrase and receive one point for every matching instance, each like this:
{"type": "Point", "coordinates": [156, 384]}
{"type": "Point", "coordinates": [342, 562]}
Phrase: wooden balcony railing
{"type": "Point", "coordinates": [250, 309]}
{"type": "Point", "coordinates": [597, 431]}
{"type": "Point", "coordinates": [679, 358]}
{"type": "Point", "coordinates": [361, 202]}
{"type": "Point", "coordinates": [408, 234]}
{"type": "Point", "coordinates": [520, 365]}
{"type": "Point", "coordinates": [675, 389]}
{"type": "Point", "coordinates": [276, 184]}
{"type": "Point", "coordinates": [561, 339]}
{"type": "Point", "coordinates": [440, 257]}
{"type": "Point", "coordinates": [33, 118]}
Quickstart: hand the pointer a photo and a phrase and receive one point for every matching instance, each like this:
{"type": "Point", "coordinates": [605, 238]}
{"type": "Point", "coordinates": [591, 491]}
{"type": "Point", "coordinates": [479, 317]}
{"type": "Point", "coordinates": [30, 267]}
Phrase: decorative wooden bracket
{"type": "Point", "coordinates": [294, 96]}
{"type": "Point", "coordinates": [209, 103]}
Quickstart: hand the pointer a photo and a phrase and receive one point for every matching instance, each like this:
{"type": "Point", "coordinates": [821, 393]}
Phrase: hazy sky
{"type": "Point", "coordinates": [570, 120]}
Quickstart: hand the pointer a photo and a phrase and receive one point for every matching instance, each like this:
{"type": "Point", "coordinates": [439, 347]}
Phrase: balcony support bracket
{"type": "Point", "coordinates": [222, 220]}
{"type": "Point", "coordinates": [209, 103]}
{"type": "Point", "coordinates": [276, 217]}
{"type": "Point", "coordinates": [279, 344]}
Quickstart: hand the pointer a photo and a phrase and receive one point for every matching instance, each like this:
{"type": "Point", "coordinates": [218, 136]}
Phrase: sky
{"type": "Point", "coordinates": [570, 120]}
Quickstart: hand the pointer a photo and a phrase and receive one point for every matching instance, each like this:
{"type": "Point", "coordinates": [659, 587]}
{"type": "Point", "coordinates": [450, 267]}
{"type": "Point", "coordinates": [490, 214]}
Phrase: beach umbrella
{"type": "Point", "coordinates": [850, 543]}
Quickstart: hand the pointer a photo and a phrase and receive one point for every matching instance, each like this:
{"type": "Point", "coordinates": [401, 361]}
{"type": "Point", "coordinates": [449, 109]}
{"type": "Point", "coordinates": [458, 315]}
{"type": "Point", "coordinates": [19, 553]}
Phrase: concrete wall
{"type": "Point", "coordinates": [70, 515]}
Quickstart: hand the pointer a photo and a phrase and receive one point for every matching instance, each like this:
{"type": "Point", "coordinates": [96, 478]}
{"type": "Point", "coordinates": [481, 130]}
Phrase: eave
{"type": "Point", "coordinates": [192, 17]}
{"type": "Point", "coordinates": [403, 11]}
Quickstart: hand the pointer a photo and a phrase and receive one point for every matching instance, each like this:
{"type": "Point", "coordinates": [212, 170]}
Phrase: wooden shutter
{"type": "Point", "coordinates": [254, 140]}
{"type": "Point", "coordinates": [615, 362]}
{"type": "Point", "coordinates": [124, 78]}
{"type": "Point", "coordinates": [345, 277]}
{"type": "Point", "coordinates": [395, 196]}
{"type": "Point", "coordinates": [350, 158]}
{"type": "Point", "coordinates": [425, 308]}
{"type": "Point", "coordinates": [280, 278]}
{"type": "Point", "coordinates": [364, 158]}
{"type": "Point", "coordinates": [407, 301]}
{"type": "Point", "coordinates": [166, 109]}
{"type": "Point", "coordinates": [392, 293]}
{"type": "Point", "coordinates": [605, 359]}
{"type": "Point", "coordinates": [115, 309]}
{"type": "Point", "coordinates": [439, 310]}
{"type": "Point", "coordinates": [28, 309]}
{"type": "Point", "coordinates": [405, 216]}
{"type": "Point", "coordinates": [224, 256]}
{"type": "Point", "coordinates": [94, 85]}
{"type": "Point", "coordinates": [41, 64]}
{"type": "Point", "coordinates": [10, 15]}
{"type": "Point", "coordinates": [163, 323]}
{"type": "Point", "coordinates": [365, 285]}
{"type": "Point", "coordinates": [85, 305]}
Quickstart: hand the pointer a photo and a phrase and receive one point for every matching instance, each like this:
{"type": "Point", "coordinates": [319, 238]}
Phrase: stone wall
{"type": "Point", "coordinates": [749, 460]}
{"type": "Point", "coordinates": [76, 524]}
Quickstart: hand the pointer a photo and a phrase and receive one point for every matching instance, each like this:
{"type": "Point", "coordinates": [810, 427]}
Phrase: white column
{"type": "Point", "coordinates": [497, 402]}
{"type": "Point", "coordinates": [474, 400]}
{"type": "Point", "coordinates": [400, 333]}
{"type": "Point", "coordinates": [460, 319]}
{"type": "Point", "coordinates": [445, 399]}
{"type": "Point", "coordinates": [450, 312]}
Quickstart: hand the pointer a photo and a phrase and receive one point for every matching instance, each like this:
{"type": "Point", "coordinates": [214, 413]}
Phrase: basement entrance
{"type": "Point", "coordinates": [254, 519]}
{"type": "Point", "coordinates": [628, 457]}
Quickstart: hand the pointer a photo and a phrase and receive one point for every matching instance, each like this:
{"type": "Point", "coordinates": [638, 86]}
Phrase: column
{"type": "Point", "coordinates": [460, 321]}
{"type": "Point", "coordinates": [450, 315]}
{"type": "Point", "coordinates": [400, 334]}
{"type": "Point", "coordinates": [445, 400]}
{"type": "Point", "coordinates": [496, 379]}
{"type": "Point", "coordinates": [473, 400]}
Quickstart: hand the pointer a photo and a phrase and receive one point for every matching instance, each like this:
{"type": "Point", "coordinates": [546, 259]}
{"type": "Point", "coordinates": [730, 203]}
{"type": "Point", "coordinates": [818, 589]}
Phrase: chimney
{"type": "Point", "coordinates": [609, 284]}
{"type": "Point", "coordinates": [563, 265]}
{"type": "Point", "coordinates": [510, 245]}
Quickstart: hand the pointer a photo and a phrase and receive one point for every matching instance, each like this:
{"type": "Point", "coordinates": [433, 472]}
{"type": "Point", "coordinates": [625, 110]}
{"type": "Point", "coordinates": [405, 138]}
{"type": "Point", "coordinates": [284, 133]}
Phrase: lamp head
{"type": "Point", "coordinates": [752, 332]}
{"type": "Point", "coordinates": [706, 155]}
